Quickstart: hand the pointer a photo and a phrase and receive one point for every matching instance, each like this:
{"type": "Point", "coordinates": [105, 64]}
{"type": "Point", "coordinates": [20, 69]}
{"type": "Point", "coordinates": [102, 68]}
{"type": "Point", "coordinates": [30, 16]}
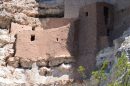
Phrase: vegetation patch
{"type": "Point", "coordinates": [121, 73]}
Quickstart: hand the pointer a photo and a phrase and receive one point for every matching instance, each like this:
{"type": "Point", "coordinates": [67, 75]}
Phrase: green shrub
{"type": "Point", "coordinates": [122, 67]}
{"type": "Point", "coordinates": [100, 74]}
{"type": "Point", "coordinates": [81, 70]}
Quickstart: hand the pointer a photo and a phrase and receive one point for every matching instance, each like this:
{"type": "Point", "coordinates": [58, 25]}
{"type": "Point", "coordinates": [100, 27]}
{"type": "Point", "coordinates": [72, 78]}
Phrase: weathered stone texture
{"type": "Point", "coordinates": [5, 22]}
{"type": "Point", "coordinates": [13, 61]}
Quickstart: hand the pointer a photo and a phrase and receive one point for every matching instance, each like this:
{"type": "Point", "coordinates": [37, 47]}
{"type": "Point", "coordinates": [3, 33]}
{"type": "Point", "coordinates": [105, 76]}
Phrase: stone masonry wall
{"type": "Point", "coordinates": [93, 34]}
{"type": "Point", "coordinates": [87, 37]}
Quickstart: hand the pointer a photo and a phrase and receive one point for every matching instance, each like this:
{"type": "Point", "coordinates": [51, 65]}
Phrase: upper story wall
{"type": "Point", "coordinates": [72, 7]}
{"type": "Point", "coordinates": [96, 23]}
{"type": "Point", "coordinates": [104, 18]}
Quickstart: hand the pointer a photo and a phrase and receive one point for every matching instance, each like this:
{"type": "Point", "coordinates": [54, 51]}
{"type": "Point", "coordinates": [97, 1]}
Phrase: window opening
{"type": "Point", "coordinates": [86, 13]}
{"type": "Point", "coordinates": [33, 28]}
{"type": "Point", "coordinates": [32, 37]}
{"type": "Point", "coordinates": [57, 39]}
{"type": "Point", "coordinates": [106, 14]}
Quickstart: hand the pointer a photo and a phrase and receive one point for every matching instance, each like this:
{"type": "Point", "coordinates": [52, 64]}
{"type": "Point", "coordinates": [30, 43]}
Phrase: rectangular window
{"type": "Point", "coordinates": [32, 37]}
{"type": "Point", "coordinates": [86, 13]}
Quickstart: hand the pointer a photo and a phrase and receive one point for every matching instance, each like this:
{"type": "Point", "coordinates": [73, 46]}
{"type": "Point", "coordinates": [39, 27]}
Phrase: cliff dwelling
{"type": "Point", "coordinates": [64, 42]}
{"type": "Point", "coordinates": [61, 39]}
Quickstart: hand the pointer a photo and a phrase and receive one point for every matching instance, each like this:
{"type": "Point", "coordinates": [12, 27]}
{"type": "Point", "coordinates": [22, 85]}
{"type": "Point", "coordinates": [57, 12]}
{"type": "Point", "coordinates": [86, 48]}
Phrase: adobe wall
{"type": "Point", "coordinates": [93, 34]}
{"type": "Point", "coordinates": [27, 49]}
{"type": "Point", "coordinates": [88, 37]}
{"type": "Point", "coordinates": [16, 28]}
{"type": "Point", "coordinates": [47, 42]}
{"type": "Point", "coordinates": [57, 22]}
{"type": "Point", "coordinates": [37, 44]}
{"type": "Point", "coordinates": [105, 20]}
{"type": "Point", "coordinates": [72, 7]}
{"type": "Point", "coordinates": [48, 23]}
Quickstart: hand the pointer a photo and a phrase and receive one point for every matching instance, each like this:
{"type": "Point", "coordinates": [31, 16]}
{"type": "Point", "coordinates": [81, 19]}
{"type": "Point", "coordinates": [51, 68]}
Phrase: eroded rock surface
{"type": "Point", "coordinates": [25, 11]}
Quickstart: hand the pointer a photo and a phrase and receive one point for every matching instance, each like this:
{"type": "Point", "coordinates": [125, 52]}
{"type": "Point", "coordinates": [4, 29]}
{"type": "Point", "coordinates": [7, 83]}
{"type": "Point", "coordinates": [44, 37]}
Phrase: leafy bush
{"type": "Point", "coordinates": [122, 72]}
{"type": "Point", "coordinates": [100, 74]}
{"type": "Point", "coordinates": [121, 65]}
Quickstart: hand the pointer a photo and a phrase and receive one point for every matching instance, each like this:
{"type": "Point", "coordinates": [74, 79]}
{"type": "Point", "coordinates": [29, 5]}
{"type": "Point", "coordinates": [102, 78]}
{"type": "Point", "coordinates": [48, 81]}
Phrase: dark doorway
{"type": "Point", "coordinates": [108, 32]}
{"type": "Point", "coordinates": [106, 14]}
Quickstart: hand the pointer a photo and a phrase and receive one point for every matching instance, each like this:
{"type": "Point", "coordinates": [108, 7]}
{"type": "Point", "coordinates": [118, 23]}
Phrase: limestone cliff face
{"type": "Point", "coordinates": [25, 11]}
